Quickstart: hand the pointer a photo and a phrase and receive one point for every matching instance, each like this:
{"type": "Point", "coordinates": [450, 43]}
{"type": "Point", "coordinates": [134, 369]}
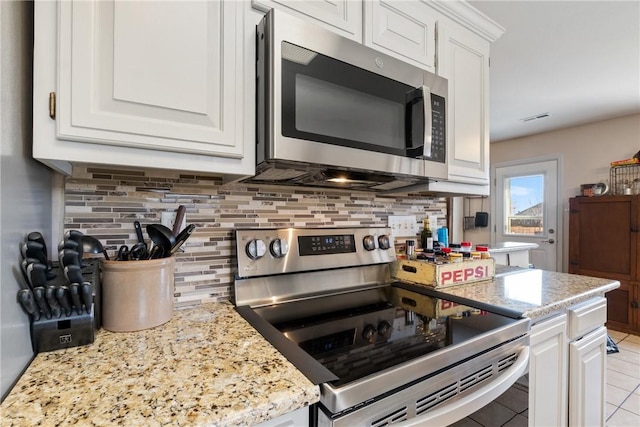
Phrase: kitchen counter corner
{"type": "Point", "coordinates": [206, 366]}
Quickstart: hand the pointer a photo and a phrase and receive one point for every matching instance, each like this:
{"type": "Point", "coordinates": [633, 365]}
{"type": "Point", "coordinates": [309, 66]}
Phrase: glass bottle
{"type": "Point", "coordinates": [426, 236]}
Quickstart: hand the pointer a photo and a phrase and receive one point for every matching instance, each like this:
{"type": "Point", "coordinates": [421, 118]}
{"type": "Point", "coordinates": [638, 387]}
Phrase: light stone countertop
{"type": "Point", "coordinates": [205, 367]}
{"type": "Point", "coordinates": [511, 247]}
{"type": "Point", "coordinates": [535, 293]}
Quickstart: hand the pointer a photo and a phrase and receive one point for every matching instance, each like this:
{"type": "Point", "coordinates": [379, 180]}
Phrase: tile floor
{"type": "Point", "coordinates": [622, 394]}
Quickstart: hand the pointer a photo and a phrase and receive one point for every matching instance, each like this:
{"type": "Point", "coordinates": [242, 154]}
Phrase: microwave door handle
{"type": "Point", "coordinates": [428, 130]}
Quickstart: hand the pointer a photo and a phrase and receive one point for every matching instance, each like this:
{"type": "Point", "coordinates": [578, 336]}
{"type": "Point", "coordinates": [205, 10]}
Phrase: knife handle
{"type": "Point", "coordinates": [64, 298]}
{"type": "Point", "coordinates": [75, 297]}
{"type": "Point", "coordinates": [76, 236]}
{"type": "Point", "coordinates": [50, 295]}
{"type": "Point", "coordinates": [68, 244]}
{"type": "Point", "coordinates": [73, 273]}
{"type": "Point", "coordinates": [69, 257]}
{"type": "Point", "coordinates": [87, 296]}
{"type": "Point", "coordinates": [37, 274]}
{"type": "Point", "coordinates": [25, 297]}
{"type": "Point", "coordinates": [38, 294]}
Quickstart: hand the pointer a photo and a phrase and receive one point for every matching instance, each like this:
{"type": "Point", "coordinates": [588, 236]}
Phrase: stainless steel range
{"type": "Point", "coordinates": [383, 352]}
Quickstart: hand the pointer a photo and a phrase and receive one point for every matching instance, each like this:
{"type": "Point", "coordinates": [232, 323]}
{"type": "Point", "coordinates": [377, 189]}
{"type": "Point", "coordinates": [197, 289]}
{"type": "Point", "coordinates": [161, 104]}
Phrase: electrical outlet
{"type": "Point", "coordinates": [403, 225]}
{"type": "Point", "coordinates": [169, 218]}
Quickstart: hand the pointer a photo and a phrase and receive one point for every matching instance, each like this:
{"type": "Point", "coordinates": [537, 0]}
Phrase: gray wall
{"type": "Point", "coordinates": [25, 197]}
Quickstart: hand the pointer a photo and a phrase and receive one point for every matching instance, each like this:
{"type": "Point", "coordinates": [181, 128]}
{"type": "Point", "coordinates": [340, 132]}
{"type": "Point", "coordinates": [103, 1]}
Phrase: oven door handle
{"type": "Point", "coordinates": [460, 408]}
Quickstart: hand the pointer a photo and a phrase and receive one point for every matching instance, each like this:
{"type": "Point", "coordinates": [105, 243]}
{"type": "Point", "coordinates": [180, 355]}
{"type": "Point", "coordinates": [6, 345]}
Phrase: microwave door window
{"type": "Point", "coordinates": [330, 101]}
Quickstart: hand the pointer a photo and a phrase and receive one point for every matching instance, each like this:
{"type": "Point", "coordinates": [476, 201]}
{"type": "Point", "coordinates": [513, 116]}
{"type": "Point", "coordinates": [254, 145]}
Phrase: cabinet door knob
{"type": "Point", "coordinates": [634, 304]}
{"type": "Point", "coordinates": [634, 229]}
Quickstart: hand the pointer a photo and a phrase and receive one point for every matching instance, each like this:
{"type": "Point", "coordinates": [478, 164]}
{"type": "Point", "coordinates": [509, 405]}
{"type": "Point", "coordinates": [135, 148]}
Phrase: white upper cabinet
{"type": "Point", "coordinates": [405, 30]}
{"type": "Point", "coordinates": [343, 17]}
{"type": "Point", "coordinates": [147, 84]}
{"type": "Point", "coordinates": [464, 60]}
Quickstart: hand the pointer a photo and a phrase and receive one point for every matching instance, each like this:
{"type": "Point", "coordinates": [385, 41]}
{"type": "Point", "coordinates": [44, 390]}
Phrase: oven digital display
{"type": "Point", "coordinates": [327, 244]}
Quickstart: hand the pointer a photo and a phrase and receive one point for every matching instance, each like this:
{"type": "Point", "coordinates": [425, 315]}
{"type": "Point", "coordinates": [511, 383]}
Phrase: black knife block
{"type": "Point", "coordinates": [62, 332]}
{"type": "Point", "coordinates": [76, 329]}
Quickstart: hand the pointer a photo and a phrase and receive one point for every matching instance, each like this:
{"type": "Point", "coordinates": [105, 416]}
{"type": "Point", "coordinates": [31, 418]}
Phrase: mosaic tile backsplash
{"type": "Point", "coordinates": [104, 203]}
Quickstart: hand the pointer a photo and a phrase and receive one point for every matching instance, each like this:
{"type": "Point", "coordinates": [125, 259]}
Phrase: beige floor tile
{"type": "Point", "coordinates": [610, 410]}
{"type": "Point", "coordinates": [617, 336]}
{"type": "Point", "coordinates": [632, 404]}
{"type": "Point", "coordinates": [633, 338]}
{"type": "Point", "coordinates": [616, 395]}
{"type": "Point", "coordinates": [628, 368]}
{"type": "Point", "coordinates": [620, 380]}
{"type": "Point", "coordinates": [622, 418]}
{"type": "Point", "coordinates": [494, 414]}
{"type": "Point", "coordinates": [627, 356]}
{"type": "Point", "coordinates": [629, 346]}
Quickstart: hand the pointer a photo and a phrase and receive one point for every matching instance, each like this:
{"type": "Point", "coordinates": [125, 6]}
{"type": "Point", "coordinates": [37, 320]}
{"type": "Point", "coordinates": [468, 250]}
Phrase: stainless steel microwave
{"type": "Point", "coordinates": [334, 113]}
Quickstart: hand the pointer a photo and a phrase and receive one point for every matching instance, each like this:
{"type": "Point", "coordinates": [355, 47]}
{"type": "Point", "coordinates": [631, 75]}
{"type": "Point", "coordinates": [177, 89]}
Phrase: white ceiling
{"type": "Point", "coordinates": [579, 61]}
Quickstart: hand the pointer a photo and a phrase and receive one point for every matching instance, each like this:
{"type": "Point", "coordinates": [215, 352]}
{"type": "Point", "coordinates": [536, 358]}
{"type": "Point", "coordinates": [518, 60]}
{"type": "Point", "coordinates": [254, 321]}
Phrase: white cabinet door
{"type": "Point", "coordinates": [343, 17]}
{"type": "Point", "coordinates": [405, 30]}
{"type": "Point", "coordinates": [548, 373]}
{"type": "Point", "coordinates": [463, 58]}
{"type": "Point", "coordinates": [147, 84]}
{"type": "Point", "coordinates": [587, 379]}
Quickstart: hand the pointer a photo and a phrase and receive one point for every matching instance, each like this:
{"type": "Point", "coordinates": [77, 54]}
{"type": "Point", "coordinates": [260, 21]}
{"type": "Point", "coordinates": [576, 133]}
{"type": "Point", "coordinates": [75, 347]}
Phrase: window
{"type": "Point", "coordinates": [524, 205]}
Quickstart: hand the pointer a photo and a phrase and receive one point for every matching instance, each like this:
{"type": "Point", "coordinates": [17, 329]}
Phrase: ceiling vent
{"type": "Point", "coordinates": [536, 117]}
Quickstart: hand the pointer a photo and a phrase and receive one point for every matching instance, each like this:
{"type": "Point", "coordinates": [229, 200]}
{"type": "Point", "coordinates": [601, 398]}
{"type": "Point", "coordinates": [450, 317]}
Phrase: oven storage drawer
{"type": "Point", "coordinates": [444, 398]}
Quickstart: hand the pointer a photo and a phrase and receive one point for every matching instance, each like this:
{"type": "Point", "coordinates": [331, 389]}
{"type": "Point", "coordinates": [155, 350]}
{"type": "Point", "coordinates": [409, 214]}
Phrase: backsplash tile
{"type": "Point", "coordinates": [104, 202]}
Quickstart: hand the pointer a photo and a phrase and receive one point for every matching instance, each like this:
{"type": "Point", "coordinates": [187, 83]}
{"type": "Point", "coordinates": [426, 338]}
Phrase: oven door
{"type": "Point", "coordinates": [324, 99]}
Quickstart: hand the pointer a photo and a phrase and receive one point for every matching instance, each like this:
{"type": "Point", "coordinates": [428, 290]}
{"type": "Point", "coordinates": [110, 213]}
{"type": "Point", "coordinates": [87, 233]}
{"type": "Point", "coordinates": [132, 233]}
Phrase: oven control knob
{"type": "Point", "coordinates": [369, 333]}
{"type": "Point", "coordinates": [383, 242]}
{"type": "Point", "coordinates": [256, 249]}
{"type": "Point", "coordinates": [384, 329]}
{"type": "Point", "coordinates": [279, 248]}
{"type": "Point", "coordinates": [369, 242]}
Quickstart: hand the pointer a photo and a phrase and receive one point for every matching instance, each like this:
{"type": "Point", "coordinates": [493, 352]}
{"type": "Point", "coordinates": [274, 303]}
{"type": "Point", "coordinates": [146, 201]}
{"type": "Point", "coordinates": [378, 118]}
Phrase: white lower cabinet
{"type": "Point", "coordinates": [297, 418]}
{"type": "Point", "coordinates": [567, 367]}
{"type": "Point", "coordinates": [587, 379]}
{"type": "Point", "coordinates": [547, 373]}
{"type": "Point", "coordinates": [157, 84]}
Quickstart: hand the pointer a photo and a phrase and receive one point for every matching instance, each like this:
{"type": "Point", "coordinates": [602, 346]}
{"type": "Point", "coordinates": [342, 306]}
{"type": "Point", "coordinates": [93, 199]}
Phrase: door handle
{"type": "Point", "coordinates": [550, 241]}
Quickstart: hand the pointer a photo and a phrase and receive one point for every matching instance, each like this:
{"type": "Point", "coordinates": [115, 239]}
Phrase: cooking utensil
{"type": "Point", "coordinates": [123, 253]}
{"type": "Point", "coordinates": [63, 296]}
{"type": "Point", "coordinates": [52, 301]}
{"type": "Point", "coordinates": [74, 289]}
{"type": "Point", "coordinates": [26, 299]}
{"type": "Point", "coordinates": [73, 273]}
{"type": "Point", "coordinates": [138, 227]}
{"type": "Point", "coordinates": [138, 251]}
{"type": "Point", "coordinates": [156, 252]}
{"type": "Point", "coordinates": [32, 249]}
{"type": "Point", "coordinates": [161, 236]}
{"type": "Point", "coordinates": [37, 274]}
{"type": "Point", "coordinates": [182, 237]}
{"type": "Point", "coordinates": [86, 292]}
{"type": "Point", "coordinates": [179, 218]}
{"type": "Point", "coordinates": [38, 294]}
{"type": "Point", "coordinates": [91, 245]}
